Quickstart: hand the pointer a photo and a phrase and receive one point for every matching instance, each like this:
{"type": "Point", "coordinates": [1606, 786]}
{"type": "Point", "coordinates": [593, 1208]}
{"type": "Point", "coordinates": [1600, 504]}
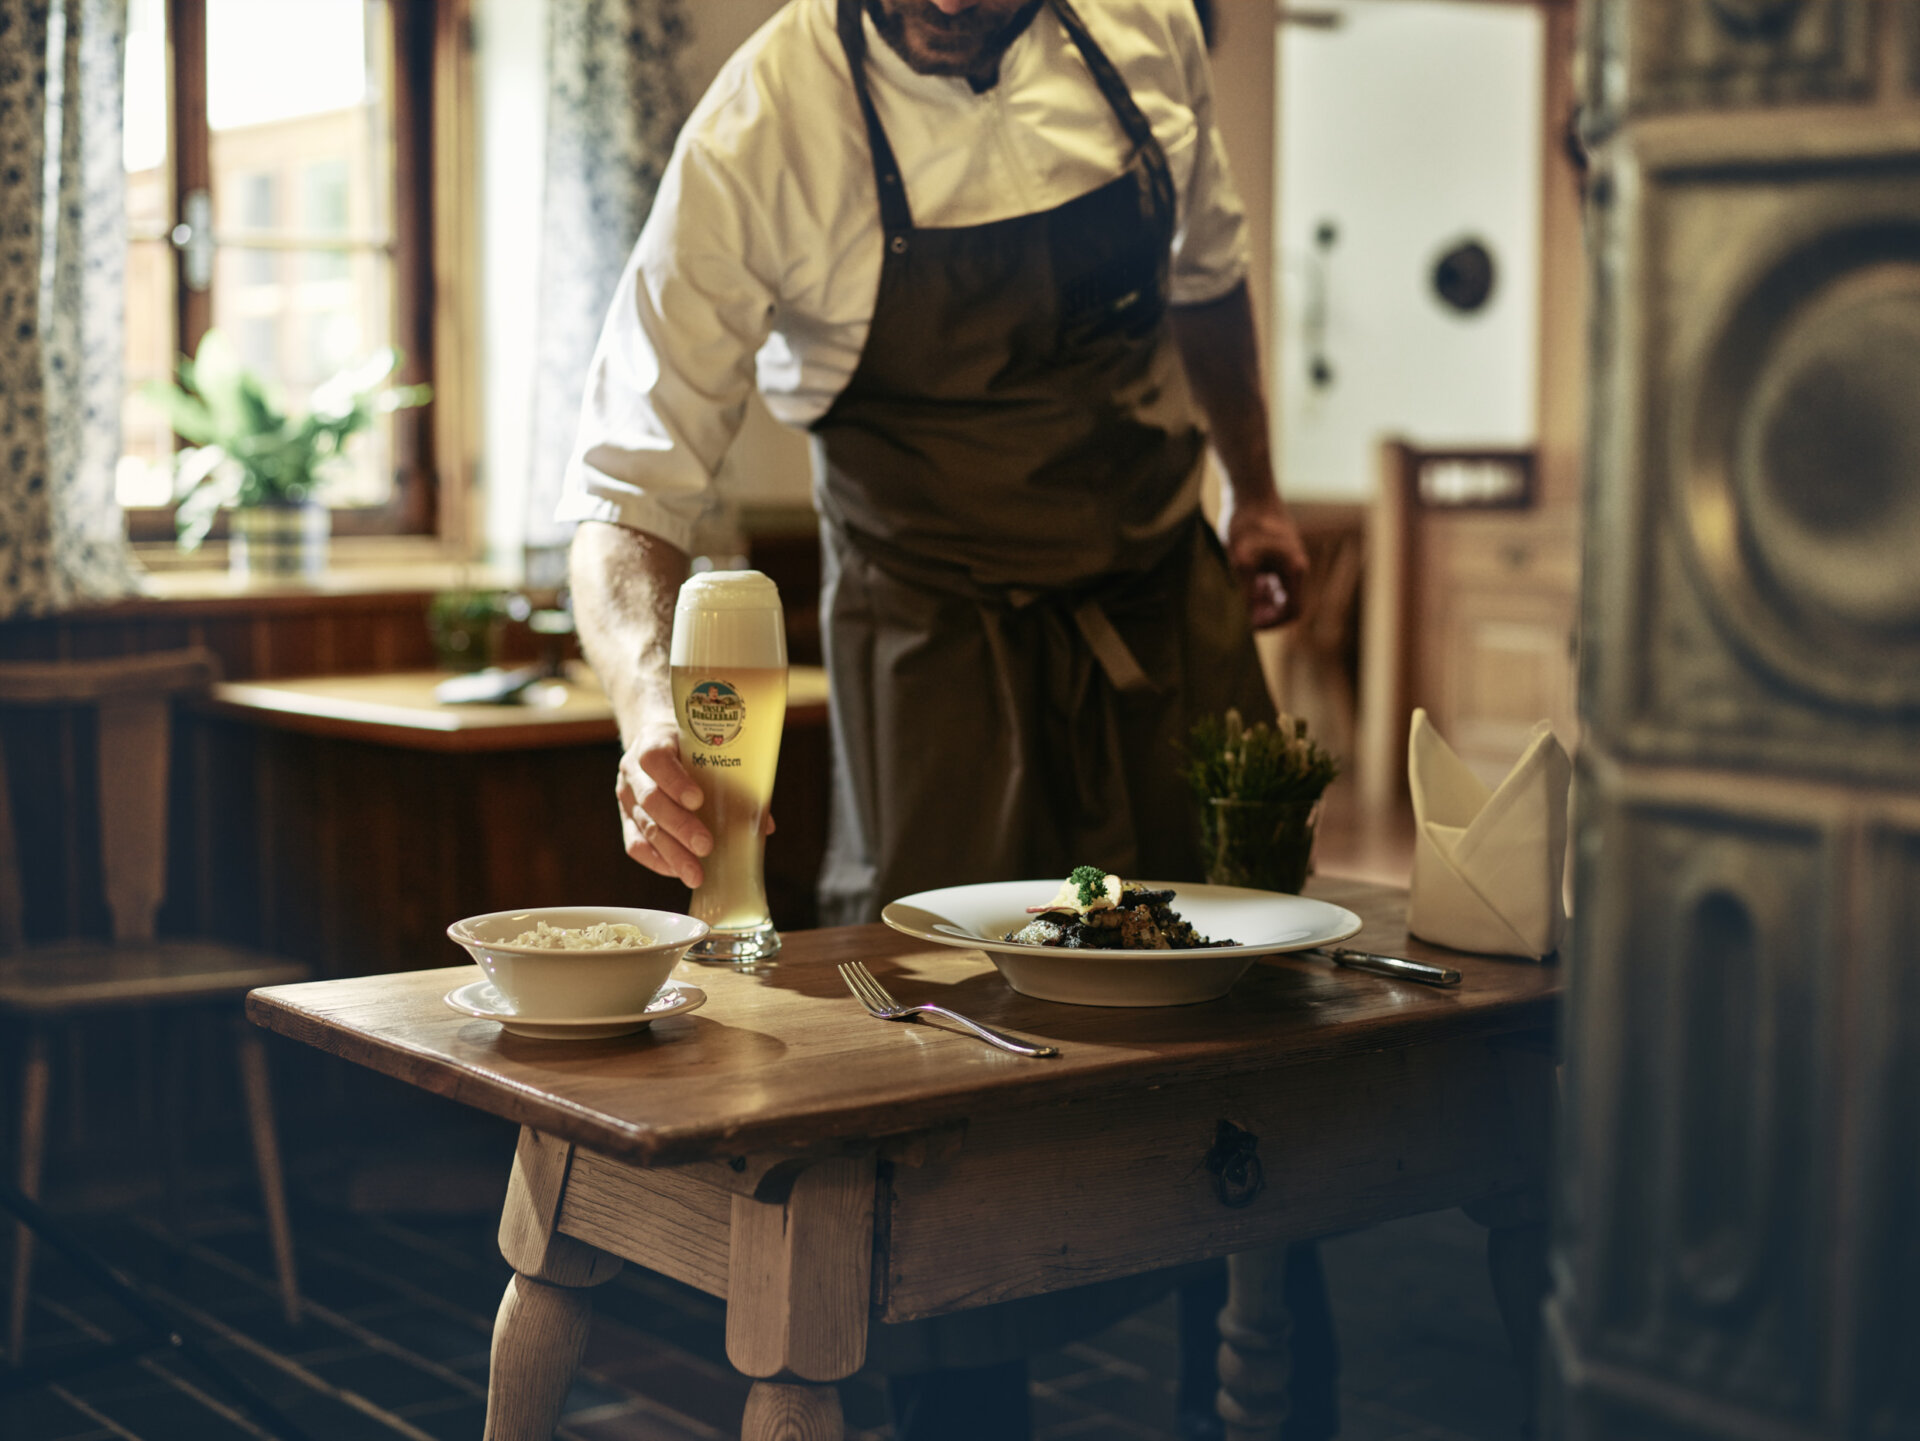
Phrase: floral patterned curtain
{"type": "Point", "coordinates": [62, 267]}
{"type": "Point", "coordinates": [615, 102]}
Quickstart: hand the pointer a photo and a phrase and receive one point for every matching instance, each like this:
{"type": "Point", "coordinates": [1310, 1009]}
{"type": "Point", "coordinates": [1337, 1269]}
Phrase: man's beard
{"type": "Point", "coordinates": [932, 42]}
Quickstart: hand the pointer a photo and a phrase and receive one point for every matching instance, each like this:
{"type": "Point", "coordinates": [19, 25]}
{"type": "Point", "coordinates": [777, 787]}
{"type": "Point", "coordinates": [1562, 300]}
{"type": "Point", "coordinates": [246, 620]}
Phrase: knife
{"type": "Point", "coordinates": [1396, 966]}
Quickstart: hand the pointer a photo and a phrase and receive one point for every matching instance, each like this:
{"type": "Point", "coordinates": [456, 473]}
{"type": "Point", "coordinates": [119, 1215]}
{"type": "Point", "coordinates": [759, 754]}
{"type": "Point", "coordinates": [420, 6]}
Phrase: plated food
{"type": "Point", "coordinates": [980, 917]}
{"type": "Point", "coordinates": [600, 936]}
{"type": "Point", "coordinates": [1095, 909]}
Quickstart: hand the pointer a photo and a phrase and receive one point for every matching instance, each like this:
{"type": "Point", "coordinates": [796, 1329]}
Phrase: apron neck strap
{"type": "Point", "coordinates": [1146, 148]}
{"type": "Point", "coordinates": [896, 216]}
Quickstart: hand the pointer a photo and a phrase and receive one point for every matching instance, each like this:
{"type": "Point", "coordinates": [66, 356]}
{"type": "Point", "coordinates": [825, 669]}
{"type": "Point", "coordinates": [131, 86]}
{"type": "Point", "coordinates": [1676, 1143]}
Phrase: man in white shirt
{"type": "Point", "coordinates": [989, 253]}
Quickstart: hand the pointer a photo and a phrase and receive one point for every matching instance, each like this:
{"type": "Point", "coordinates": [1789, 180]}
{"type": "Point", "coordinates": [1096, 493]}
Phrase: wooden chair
{"type": "Point", "coordinates": [44, 985]}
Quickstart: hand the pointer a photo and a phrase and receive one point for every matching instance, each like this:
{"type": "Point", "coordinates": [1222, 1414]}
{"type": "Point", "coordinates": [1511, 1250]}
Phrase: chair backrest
{"type": "Point", "coordinates": [133, 697]}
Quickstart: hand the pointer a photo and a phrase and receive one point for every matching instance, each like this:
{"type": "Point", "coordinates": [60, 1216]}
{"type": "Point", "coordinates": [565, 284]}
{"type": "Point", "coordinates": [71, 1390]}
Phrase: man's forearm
{"type": "Point", "coordinates": [624, 585]}
{"type": "Point", "coordinates": [1220, 348]}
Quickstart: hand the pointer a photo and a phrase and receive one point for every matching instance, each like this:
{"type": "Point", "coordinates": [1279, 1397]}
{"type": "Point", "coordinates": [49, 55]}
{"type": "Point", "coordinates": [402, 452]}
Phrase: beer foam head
{"type": "Point", "coordinates": [729, 617]}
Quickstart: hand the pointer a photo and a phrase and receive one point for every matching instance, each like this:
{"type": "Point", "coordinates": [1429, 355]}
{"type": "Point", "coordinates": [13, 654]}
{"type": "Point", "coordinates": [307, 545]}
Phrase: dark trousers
{"type": "Point", "coordinates": [990, 1403]}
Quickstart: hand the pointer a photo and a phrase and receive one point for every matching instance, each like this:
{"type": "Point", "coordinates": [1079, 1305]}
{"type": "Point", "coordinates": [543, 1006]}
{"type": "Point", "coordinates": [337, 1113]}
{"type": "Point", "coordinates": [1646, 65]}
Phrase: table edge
{"type": "Point", "coordinates": [666, 1146]}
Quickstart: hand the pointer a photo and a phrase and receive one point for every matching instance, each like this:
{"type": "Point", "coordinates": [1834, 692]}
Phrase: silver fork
{"type": "Point", "coordinates": [875, 997]}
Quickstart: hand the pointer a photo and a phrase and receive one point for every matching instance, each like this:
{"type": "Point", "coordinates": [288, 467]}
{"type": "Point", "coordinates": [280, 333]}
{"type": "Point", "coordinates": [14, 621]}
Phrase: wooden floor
{"type": "Point", "coordinates": [396, 1345]}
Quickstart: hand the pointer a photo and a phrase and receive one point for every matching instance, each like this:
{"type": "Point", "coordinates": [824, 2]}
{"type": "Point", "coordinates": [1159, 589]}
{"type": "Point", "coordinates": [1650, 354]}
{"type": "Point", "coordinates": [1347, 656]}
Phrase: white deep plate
{"type": "Point", "coordinates": [483, 999]}
{"type": "Point", "coordinates": [1263, 922]}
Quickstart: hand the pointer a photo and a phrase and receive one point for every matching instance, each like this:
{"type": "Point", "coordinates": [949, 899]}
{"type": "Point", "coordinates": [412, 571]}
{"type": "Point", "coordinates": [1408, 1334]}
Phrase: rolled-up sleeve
{"type": "Point", "coordinates": [1210, 254]}
{"type": "Point", "coordinates": [670, 377]}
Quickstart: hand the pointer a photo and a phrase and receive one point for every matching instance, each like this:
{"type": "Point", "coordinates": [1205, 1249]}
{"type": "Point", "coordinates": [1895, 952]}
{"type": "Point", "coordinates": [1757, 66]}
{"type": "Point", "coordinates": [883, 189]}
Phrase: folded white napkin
{"type": "Point", "coordinates": [1487, 865]}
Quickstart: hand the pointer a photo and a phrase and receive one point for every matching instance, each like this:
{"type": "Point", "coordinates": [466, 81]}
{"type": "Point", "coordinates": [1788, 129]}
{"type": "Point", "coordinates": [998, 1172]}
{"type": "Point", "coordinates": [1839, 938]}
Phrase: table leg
{"type": "Point", "coordinates": [779, 1411]}
{"type": "Point", "coordinates": [799, 1278]}
{"type": "Point", "coordinates": [1516, 1220]}
{"type": "Point", "coordinates": [542, 1324]}
{"type": "Point", "coordinates": [1517, 1265]}
{"type": "Point", "coordinates": [1255, 1366]}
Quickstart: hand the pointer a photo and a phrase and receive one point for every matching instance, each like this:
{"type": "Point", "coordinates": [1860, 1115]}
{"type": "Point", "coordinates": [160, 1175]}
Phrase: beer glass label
{"type": "Point", "coordinates": [715, 712]}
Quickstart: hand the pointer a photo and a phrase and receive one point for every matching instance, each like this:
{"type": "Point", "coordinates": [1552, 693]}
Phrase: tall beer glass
{"type": "Point", "coordinates": [729, 672]}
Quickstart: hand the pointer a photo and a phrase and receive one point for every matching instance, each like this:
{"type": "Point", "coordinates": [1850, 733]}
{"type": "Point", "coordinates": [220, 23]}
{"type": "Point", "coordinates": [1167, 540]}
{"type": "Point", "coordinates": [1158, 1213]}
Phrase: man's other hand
{"type": "Point", "coordinates": [1266, 552]}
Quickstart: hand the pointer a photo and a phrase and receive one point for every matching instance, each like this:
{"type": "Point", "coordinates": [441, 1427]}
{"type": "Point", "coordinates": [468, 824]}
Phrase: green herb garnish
{"type": "Point", "coordinates": [1090, 881]}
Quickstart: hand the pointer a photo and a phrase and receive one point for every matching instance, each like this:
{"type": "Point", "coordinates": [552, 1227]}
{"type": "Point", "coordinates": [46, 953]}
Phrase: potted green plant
{"type": "Point", "coordinates": [249, 453]}
{"type": "Point", "coordinates": [1258, 789]}
{"type": "Point", "coordinates": [465, 625]}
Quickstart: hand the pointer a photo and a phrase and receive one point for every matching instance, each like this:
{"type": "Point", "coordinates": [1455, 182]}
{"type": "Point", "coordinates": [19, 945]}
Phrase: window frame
{"type": "Point", "coordinates": [429, 41]}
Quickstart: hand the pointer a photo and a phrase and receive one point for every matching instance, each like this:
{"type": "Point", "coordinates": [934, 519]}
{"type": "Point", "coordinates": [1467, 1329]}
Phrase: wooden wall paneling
{"type": "Point", "coordinates": [291, 846]}
{"type": "Point", "coordinates": [446, 789]}
{"type": "Point", "coordinates": [232, 901]}
{"type": "Point", "coordinates": [231, 638]}
{"type": "Point", "coordinates": [517, 816]}
{"type": "Point", "coordinates": [95, 642]}
{"type": "Point", "coordinates": [198, 735]}
{"type": "Point", "coordinates": [354, 646]}
{"type": "Point", "coordinates": [30, 640]}
{"type": "Point", "coordinates": [386, 864]}
{"type": "Point", "coordinates": [80, 832]}
{"type": "Point", "coordinates": [242, 796]}
{"type": "Point", "coordinates": [339, 830]}
{"type": "Point", "coordinates": [159, 633]}
{"type": "Point", "coordinates": [179, 893]}
{"type": "Point", "coordinates": [33, 749]}
{"type": "Point", "coordinates": [291, 645]}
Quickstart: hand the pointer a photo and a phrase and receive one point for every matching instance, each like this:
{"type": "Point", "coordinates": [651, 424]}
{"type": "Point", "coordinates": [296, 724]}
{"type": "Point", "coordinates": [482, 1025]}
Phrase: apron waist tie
{"type": "Point", "coordinates": [1116, 659]}
{"type": "Point", "coordinates": [1124, 672]}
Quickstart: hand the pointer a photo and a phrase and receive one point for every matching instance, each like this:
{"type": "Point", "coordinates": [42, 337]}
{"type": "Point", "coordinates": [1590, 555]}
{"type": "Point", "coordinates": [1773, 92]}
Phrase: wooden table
{"type": "Point", "coordinates": [825, 1172]}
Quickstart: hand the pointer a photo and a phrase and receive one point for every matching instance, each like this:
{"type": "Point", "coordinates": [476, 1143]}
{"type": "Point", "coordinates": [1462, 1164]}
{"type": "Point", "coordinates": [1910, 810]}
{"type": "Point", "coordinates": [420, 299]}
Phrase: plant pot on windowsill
{"type": "Point", "coordinates": [284, 541]}
{"type": "Point", "coordinates": [252, 455]}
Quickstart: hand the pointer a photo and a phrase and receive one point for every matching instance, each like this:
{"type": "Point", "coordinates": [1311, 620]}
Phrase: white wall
{"type": "Point", "coordinates": [1412, 125]}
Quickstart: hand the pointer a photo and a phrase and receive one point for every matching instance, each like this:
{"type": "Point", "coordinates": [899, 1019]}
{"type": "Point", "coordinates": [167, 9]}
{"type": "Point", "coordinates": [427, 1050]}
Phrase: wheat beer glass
{"type": "Point", "coordinates": [729, 672]}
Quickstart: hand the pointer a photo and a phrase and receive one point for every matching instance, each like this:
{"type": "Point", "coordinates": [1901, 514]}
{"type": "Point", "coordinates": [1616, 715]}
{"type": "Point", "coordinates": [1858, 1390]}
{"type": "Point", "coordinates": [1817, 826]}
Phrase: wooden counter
{"type": "Point", "coordinates": [399, 709]}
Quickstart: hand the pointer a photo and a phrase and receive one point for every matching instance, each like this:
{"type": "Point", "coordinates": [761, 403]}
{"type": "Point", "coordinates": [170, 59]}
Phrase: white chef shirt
{"type": "Point", "coordinates": [761, 258]}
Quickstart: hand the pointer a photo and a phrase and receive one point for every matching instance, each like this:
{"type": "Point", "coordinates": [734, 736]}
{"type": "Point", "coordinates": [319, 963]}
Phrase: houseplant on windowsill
{"type": "Point", "coordinates": [1258, 790]}
{"type": "Point", "coordinates": [262, 461]}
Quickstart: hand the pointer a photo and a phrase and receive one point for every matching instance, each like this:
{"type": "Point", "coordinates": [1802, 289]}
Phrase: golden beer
{"type": "Point", "coordinates": [728, 668]}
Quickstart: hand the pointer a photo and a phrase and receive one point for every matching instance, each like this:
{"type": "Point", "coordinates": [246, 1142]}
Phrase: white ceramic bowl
{"type": "Point", "coordinates": [576, 985]}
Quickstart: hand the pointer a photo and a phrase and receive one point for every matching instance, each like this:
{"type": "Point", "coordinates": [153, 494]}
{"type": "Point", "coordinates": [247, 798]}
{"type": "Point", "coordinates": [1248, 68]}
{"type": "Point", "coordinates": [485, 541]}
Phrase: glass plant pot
{"type": "Point", "coordinates": [466, 627]}
{"type": "Point", "coordinates": [279, 542]}
{"type": "Point", "coordinates": [1266, 845]}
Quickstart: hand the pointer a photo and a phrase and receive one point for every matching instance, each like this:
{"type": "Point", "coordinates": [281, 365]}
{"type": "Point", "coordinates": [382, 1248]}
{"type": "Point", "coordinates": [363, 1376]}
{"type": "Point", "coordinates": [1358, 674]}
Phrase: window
{"type": "Point", "coordinates": [279, 166]}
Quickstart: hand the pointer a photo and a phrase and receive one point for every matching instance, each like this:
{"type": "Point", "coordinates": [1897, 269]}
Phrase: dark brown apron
{"type": "Point", "coordinates": [1024, 610]}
